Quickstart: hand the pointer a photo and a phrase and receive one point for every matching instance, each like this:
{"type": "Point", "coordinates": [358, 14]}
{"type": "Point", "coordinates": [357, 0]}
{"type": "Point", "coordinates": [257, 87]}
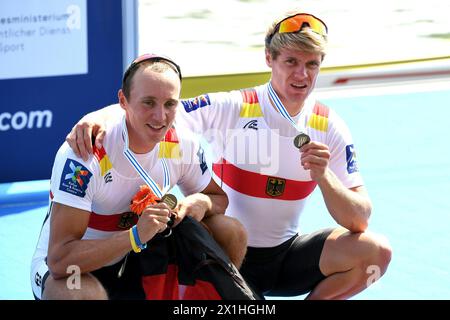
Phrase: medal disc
{"type": "Point", "coordinates": [170, 200]}
{"type": "Point", "coordinates": [301, 140]}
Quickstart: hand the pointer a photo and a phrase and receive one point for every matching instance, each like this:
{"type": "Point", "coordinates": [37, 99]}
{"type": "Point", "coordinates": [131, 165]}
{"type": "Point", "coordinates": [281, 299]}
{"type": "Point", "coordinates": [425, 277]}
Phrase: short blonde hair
{"type": "Point", "coordinates": [304, 40]}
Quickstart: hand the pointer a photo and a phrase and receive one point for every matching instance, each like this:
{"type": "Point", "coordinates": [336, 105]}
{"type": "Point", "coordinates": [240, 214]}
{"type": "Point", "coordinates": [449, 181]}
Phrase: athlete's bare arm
{"type": "Point", "coordinates": [351, 208]}
{"type": "Point", "coordinates": [68, 225]}
{"type": "Point", "coordinates": [211, 201]}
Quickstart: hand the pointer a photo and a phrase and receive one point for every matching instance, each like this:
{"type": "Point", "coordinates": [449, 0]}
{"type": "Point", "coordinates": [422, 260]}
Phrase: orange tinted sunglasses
{"type": "Point", "coordinates": [299, 21]}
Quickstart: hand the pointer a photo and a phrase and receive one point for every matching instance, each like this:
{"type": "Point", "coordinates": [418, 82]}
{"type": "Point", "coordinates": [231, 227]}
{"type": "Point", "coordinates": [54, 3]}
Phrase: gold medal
{"type": "Point", "coordinates": [301, 140]}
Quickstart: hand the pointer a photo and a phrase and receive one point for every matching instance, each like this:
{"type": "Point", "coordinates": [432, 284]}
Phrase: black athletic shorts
{"type": "Point", "coordinates": [126, 287]}
{"type": "Point", "coordinates": [289, 269]}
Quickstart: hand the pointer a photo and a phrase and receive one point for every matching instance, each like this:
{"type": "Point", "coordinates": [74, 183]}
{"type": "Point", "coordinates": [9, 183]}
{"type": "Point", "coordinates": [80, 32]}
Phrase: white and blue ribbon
{"type": "Point", "coordinates": [281, 109]}
{"type": "Point", "coordinates": [144, 175]}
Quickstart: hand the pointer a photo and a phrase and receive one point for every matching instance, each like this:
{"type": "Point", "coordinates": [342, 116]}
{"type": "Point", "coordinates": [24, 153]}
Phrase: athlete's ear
{"type": "Point", "coordinates": [122, 99]}
{"type": "Point", "coordinates": [268, 59]}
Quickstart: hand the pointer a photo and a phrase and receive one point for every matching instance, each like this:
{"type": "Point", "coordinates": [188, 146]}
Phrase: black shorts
{"type": "Point", "coordinates": [126, 287]}
{"type": "Point", "coordinates": [289, 269]}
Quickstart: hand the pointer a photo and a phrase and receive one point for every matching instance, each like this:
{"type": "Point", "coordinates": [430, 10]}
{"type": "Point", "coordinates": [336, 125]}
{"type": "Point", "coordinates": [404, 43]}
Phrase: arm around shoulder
{"type": "Point", "coordinates": [91, 125]}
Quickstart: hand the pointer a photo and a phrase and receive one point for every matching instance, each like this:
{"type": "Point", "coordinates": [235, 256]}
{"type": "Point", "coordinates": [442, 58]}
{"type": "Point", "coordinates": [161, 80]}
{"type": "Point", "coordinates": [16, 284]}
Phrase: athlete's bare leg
{"type": "Point", "coordinates": [231, 235]}
{"type": "Point", "coordinates": [351, 262]}
{"type": "Point", "coordinates": [90, 289]}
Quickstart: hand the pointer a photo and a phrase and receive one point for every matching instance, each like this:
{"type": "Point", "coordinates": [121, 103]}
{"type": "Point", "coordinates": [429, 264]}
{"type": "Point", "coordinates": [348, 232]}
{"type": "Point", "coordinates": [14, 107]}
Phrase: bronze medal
{"type": "Point", "coordinates": [301, 139]}
{"type": "Point", "coordinates": [170, 200]}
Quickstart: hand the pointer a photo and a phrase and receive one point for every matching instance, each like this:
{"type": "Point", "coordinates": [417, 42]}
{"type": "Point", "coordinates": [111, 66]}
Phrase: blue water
{"type": "Point", "coordinates": [404, 157]}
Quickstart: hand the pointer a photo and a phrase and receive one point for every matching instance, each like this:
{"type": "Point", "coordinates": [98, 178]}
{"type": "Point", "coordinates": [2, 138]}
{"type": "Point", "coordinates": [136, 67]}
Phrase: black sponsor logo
{"type": "Point", "coordinates": [253, 124]}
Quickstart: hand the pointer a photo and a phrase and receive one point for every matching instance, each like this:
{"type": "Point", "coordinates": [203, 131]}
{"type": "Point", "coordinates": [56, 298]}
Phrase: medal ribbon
{"type": "Point", "coordinates": [280, 107]}
{"type": "Point", "coordinates": [136, 165]}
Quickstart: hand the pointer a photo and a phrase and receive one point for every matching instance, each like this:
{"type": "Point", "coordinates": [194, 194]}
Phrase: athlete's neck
{"type": "Point", "coordinates": [136, 144]}
{"type": "Point", "coordinates": [138, 149]}
{"type": "Point", "coordinates": [292, 109]}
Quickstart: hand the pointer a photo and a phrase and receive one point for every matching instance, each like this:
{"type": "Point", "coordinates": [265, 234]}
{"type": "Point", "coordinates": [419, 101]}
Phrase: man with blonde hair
{"type": "Point", "coordinates": [308, 146]}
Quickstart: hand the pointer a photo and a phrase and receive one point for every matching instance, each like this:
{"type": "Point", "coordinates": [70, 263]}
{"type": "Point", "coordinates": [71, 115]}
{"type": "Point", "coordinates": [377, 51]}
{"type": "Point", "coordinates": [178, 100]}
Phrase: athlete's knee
{"type": "Point", "coordinates": [378, 252]}
{"type": "Point", "coordinates": [231, 235]}
{"type": "Point", "coordinates": [237, 231]}
{"type": "Point", "coordinates": [87, 288]}
{"type": "Point", "coordinates": [384, 252]}
{"type": "Point", "coordinates": [227, 230]}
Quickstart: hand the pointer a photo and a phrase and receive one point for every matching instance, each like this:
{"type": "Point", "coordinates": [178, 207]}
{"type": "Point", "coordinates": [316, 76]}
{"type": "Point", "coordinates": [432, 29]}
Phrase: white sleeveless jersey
{"type": "Point", "coordinates": [256, 162]}
{"type": "Point", "coordinates": [105, 184]}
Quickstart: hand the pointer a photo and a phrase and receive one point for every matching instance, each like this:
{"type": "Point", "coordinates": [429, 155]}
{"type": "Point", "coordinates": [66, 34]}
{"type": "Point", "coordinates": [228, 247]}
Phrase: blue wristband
{"type": "Point", "coordinates": [136, 238]}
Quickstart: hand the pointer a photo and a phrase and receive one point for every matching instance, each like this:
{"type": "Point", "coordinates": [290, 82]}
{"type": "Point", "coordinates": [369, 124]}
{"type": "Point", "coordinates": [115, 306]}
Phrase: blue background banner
{"type": "Point", "coordinates": [37, 113]}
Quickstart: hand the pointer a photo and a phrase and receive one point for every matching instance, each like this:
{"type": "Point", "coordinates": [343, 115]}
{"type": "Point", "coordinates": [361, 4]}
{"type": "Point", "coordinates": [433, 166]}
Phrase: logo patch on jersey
{"type": "Point", "coordinates": [202, 160]}
{"type": "Point", "coordinates": [253, 124]}
{"type": "Point", "coordinates": [75, 178]}
{"type": "Point", "coordinates": [108, 177]}
{"type": "Point", "coordinates": [352, 164]}
{"type": "Point", "coordinates": [275, 186]}
{"type": "Point", "coordinates": [195, 103]}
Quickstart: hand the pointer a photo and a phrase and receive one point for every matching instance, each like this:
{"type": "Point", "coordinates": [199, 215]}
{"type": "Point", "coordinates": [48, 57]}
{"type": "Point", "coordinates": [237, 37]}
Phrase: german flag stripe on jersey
{"type": "Point", "coordinates": [170, 147]}
{"type": "Point", "coordinates": [255, 185]}
{"type": "Point", "coordinates": [319, 118]}
{"type": "Point", "coordinates": [250, 105]}
{"type": "Point", "coordinates": [103, 160]}
{"type": "Point", "coordinates": [171, 136]}
{"type": "Point", "coordinates": [112, 222]}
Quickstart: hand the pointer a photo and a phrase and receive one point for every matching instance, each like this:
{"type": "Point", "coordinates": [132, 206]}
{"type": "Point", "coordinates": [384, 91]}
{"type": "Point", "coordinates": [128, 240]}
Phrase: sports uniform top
{"type": "Point", "coordinates": [256, 162]}
{"type": "Point", "coordinates": [105, 184]}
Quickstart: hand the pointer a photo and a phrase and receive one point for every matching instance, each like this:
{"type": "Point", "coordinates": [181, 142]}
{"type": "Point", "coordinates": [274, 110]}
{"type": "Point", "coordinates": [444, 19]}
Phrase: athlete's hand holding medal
{"type": "Point", "coordinates": [315, 157]}
{"type": "Point", "coordinates": [162, 210]}
{"type": "Point", "coordinates": [155, 206]}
